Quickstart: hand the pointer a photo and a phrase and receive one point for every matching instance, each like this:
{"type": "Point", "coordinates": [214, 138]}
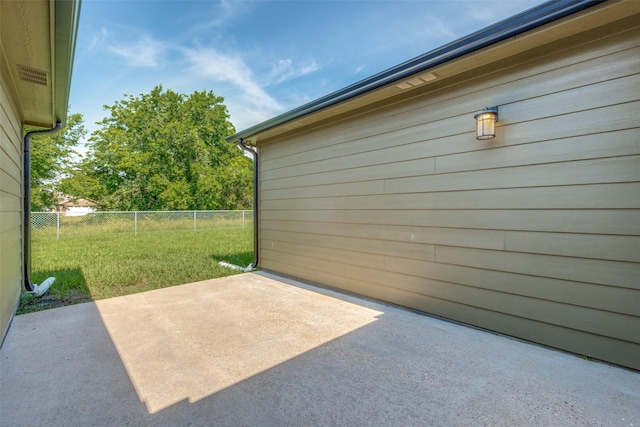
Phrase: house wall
{"type": "Point", "coordinates": [535, 234]}
{"type": "Point", "coordinates": [10, 201]}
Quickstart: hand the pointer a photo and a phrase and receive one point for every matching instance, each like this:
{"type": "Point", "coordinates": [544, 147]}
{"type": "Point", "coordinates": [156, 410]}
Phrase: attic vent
{"type": "Point", "coordinates": [32, 75]}
{"type": "Point", "coordinates": [417, 81]}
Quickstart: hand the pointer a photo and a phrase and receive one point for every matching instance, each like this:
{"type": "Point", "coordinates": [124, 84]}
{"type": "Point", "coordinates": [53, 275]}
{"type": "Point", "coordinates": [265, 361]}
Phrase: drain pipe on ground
{"type": "Point", "coordinates": [32, 288]}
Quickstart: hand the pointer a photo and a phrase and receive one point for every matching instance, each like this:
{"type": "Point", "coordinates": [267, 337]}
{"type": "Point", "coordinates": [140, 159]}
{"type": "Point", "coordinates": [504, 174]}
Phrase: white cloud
{"type": "Point", "coordinates": [140, 51]}
{"type": "Point", "coordinates": [437, 29]}
{"type": "Point", "coordinates": [243, 116]}
{"type": "Point", "coordinates": [209, 63]}
{"type": "Point", "coordinates": [247, 99]}
{"type": "Point", "coordinates": [98, 38]}
{"type": "Point", "coordinates": [308, 68]}
{"type": "Point", "coordinates": [222, 13]}
{"type": "Point", "coordinates": [145, 52]}
{"type": "Point", "coordinates": [284, 70]}
{"type": "Point", "coordinates": [483, 15]}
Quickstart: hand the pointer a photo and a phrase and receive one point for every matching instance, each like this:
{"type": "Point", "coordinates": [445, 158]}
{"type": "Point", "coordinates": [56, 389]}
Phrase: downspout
{"type": "Point", "coordinates": [254, 154]}
{"type": "Point", "coordinates": [38, 290]}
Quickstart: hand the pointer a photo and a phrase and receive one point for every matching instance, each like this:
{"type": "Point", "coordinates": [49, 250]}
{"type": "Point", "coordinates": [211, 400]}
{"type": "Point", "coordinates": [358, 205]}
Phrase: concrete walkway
{"type": "Point", "coordinates": [259, 350]}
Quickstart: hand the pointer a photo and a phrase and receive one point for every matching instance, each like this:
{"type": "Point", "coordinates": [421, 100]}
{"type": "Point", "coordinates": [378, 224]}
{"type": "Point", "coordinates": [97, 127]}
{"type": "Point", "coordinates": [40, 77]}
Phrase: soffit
{"type": "Point", "coordinates": [27, 45]}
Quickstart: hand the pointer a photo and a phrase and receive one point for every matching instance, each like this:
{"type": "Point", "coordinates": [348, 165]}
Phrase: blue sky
{"type": "Point", "coordinates": [263, 57]}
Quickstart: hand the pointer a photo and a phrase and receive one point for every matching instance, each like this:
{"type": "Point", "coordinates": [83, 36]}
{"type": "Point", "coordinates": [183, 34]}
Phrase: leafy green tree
{"type": "Point", "coordinates": [165, 151]}
{"type": "Point", "coordinates": [52, 157]}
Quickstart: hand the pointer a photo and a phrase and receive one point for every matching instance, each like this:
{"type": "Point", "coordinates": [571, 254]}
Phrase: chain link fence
{"type": "Point", "coordinates": [58, 225]}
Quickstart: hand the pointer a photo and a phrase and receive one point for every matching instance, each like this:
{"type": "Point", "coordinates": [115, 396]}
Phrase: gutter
{"type": "Point", "coordinates": [30, 287]}
{"type": "Point", "coordinates": [256, 247]}
{"type": "Point", "coordinates": [67, 21]}
{"type": "Point", "coordinates": [500, 31]}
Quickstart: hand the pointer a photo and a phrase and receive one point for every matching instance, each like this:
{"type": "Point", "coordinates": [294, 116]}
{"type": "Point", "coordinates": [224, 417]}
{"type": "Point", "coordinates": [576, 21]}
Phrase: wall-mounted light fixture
{"type": "Point", "coordinates": [486, 123]}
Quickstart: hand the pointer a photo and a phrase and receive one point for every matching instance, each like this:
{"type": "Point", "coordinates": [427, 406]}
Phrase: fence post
{"type": "Point", "coordinates": [243, 219]}
{"type": "Point", "coordinates": [194, 221]}
{"type": "Point", "coordinates": [58, 225]}
{"type": "Point", "coordinates": [135, 223]}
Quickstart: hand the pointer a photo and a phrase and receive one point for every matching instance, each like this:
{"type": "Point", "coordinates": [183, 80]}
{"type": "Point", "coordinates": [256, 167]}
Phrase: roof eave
{"type": "Point", "coordinates": [502, 30]}
{"type": "Point", "coordinates": [67, 17]}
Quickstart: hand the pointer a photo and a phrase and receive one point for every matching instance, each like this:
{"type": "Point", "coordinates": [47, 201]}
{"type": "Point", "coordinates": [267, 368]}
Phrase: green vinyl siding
{"type": "Point", "coordinates": [535, 234]}
{"type": "Point", "coordinates": [10, 203]}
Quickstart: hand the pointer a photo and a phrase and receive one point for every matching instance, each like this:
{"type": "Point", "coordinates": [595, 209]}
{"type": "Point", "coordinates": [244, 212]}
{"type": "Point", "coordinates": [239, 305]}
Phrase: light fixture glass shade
{"type": "Point", "coordinates": [486, 123]}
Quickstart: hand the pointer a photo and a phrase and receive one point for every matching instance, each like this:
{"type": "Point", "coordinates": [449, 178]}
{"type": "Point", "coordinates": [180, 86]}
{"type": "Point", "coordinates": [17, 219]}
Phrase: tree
{"type": "Point", "coordinates": [51, 158]}
{"type": "Point", "coordinates": [165, 151]}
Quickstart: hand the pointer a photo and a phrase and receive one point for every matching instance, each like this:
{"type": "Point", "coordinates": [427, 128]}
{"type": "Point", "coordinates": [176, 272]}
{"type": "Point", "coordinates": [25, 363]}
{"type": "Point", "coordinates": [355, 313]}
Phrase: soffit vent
{"type": "Point", "coordinates": [417, 81]}
{"type": "Point", "coordinates": [32, 75]}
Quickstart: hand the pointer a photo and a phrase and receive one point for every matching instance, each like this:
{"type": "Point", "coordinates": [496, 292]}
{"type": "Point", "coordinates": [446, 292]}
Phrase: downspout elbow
{"type": "Point", "coordinates": [27, 204]}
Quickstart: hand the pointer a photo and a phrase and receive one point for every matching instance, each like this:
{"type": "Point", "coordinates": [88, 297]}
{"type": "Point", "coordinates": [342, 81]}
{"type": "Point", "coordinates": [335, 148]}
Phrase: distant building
{"type": "Point", "coordinates": [74, 206]}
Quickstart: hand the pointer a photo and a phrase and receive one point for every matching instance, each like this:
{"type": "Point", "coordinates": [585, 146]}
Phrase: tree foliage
{"type": "Point", "coordinates": [52, 157]}
{"type": "Point", "coordinates": [164, 151]}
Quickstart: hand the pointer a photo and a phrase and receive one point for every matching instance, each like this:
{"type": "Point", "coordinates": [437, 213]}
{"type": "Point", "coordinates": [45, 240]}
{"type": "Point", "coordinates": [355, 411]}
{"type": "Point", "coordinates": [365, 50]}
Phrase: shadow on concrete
{"type": "Point", "coordinates": [255, 349]}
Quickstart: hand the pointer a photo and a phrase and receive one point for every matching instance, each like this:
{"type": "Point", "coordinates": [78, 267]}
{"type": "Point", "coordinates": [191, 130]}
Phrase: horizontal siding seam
{"type": "Point", "coordinates": [535, 286]}
{"type": "Point", "coordinates": [558, 255]}
{"type": "Point", "coordinates": [362, 138]}
{"type": "Point", "coordinates": [10, 176]}
{"type": "Point", "coordinates": [575, 63]}
{"type": "Point", "coordinates": [15, 151]}
{"type": "Point", "coordinates": [409, 226]}
{"type": "Point", "coordinates": [312, 186]}
{"type": "Point", "coordinates": [306, 267]}
{"type": "Point", "coordinates": [363, 252]}
{"type": "Point", "coordinates": [348, 168]}
{"type": "Point", "coordinates": [517, 188]}
{"type": "Point", "coordinates": [522, 187]}
{"type": "Point", "coordinates": [426, 243]}
{"type": "Point", "coordinates": [466, 191]}
{"type": "Point", "coordinates": [488, 290]}
{"type": "Point", "coordinates": [377, 239]}
{"type": "Point", "coordinates": [572, 112]}
{"type": "Point", "coordinates": [530, 166]}
{"type": "Point", "coordinates": [539, 275]}
{"type": "Point", "coordinates": [433, 209]}
{"type": "Point", "coordinates": [391, 286]}
{"type": "Point", "coordinates": [571, 88]}
{"type": "Point", "coordinates": [458, 209]}
{"type": "Point", "coordinates": [399, 226]}
{"type": "Point", "coordinates": [581, 159]}
{"type": "Point", "coordinates": [508, 272]}
{"type": "Point", "coordinates": [365, 150]}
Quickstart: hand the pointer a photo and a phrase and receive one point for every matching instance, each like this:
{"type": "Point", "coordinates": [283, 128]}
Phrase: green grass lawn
{"type": "Point", "coordinates": [93, 267]}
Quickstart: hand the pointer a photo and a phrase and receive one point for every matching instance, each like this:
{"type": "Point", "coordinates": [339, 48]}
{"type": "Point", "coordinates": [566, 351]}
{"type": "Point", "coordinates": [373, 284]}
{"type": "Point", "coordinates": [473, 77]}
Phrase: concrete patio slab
{"type": "Point", "coordinates": [260, 350]}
